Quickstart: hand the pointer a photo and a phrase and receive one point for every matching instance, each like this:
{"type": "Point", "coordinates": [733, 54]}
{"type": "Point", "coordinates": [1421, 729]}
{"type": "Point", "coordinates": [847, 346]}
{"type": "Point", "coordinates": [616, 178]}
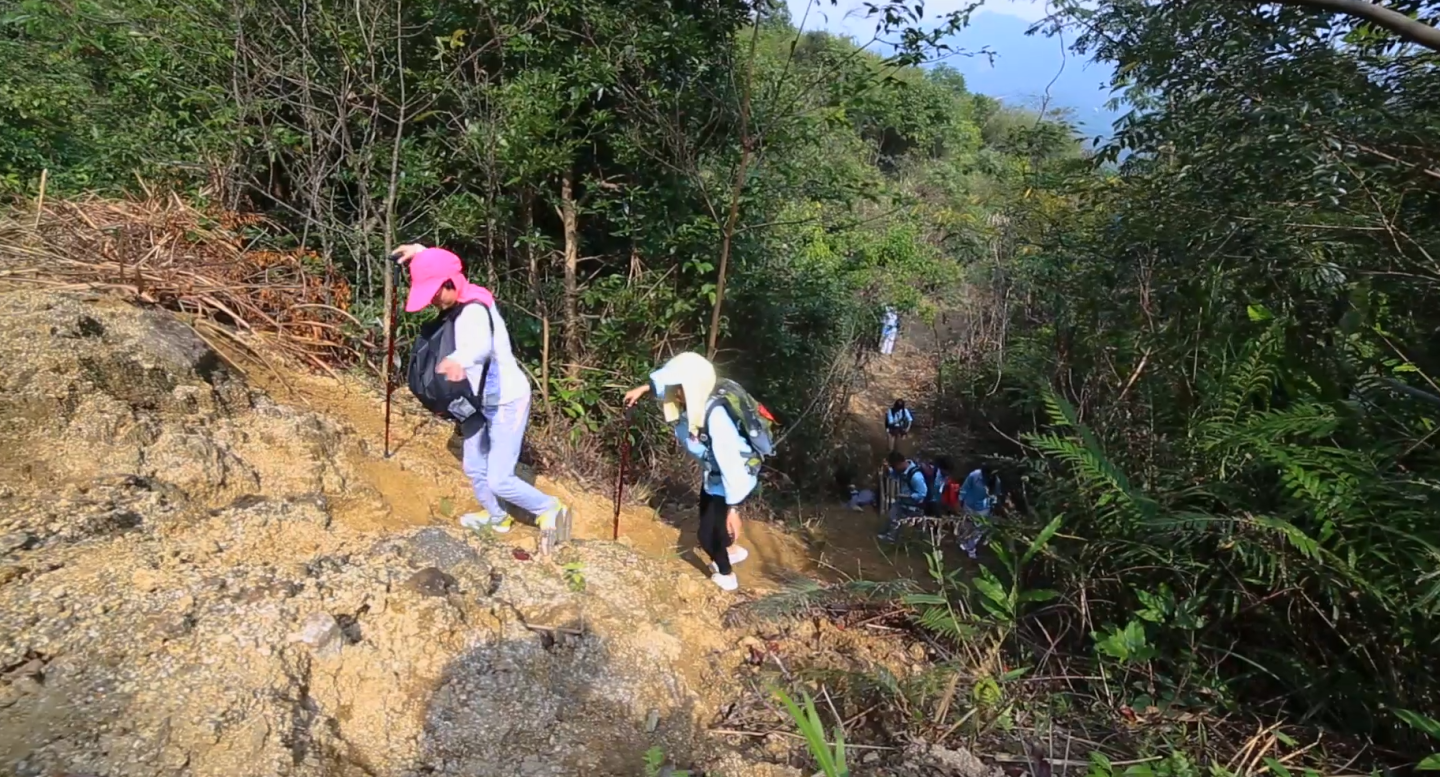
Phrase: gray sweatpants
{"type": "Point", "coordinates": [490, 458]}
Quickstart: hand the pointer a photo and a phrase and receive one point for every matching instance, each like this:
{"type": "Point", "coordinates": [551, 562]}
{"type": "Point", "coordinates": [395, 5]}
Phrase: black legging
{"type": "Point", "coordinates": [714, 539]}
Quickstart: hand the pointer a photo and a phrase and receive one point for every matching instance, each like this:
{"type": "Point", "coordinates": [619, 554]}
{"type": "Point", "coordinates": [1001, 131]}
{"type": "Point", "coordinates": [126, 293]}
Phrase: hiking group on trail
{"type": "Point", "coordinates": [926, 491]}
{"type": "Point", "coordinates": [462, 368]}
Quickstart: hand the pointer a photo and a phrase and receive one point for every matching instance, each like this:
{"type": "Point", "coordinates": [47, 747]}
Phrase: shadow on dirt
{"type": "Point", "coordinates": [550, 702]}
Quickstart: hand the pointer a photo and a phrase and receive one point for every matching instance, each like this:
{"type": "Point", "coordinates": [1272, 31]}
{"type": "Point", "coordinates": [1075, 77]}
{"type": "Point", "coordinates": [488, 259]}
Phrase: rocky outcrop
{"type": "Point", "coordinates": [176, 596]}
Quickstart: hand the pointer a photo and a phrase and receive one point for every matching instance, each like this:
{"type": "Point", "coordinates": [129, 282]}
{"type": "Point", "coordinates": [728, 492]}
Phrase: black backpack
{"type": "Point", "coordinates": [454, 400]}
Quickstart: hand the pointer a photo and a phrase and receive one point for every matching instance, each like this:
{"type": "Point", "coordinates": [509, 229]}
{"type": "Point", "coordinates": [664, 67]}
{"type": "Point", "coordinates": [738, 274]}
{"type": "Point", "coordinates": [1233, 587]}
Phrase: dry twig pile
{"type": "Point", "coordinates": [161, 251]}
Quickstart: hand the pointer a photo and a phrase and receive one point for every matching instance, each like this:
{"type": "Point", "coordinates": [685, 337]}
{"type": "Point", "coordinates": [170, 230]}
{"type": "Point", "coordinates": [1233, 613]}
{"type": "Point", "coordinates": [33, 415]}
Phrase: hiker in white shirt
{"type": "Point", "coordinates": [491, 453]}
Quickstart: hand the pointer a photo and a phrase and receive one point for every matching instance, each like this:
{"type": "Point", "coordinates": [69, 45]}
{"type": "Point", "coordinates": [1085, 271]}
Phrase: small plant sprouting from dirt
{"type": "Point", "coordinates": [655, 765]}
{"type": "Point", "coordinates": [574, 572]}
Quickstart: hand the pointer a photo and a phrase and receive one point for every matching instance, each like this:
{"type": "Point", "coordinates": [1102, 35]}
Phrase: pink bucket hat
{"type": "Point", "coordinates": [428, 272]}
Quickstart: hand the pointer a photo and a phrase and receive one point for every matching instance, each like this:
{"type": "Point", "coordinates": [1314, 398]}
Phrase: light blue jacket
{"type": "Point", "coordinates": [901, 418]}
{"type": "Point", "coordinates": [916, 486]}
{"type": "Point", "coordinates": [974, 494]}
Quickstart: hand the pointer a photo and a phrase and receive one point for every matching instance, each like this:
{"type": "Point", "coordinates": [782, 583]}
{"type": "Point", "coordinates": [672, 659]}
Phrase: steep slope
{"type": "Point", "coordinates": [196, 581]}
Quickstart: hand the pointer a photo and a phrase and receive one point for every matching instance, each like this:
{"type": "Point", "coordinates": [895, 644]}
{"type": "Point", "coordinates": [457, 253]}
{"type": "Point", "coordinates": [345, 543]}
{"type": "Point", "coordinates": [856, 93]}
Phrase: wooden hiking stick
{"type": "Point", "coordinates": [390, 347]}
{"type": "Point", "coordinates": [624, 464]}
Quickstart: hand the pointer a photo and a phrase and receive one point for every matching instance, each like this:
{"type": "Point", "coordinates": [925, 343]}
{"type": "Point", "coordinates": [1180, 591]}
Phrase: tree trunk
{"type": "Point", "coordinates": [742, 170]}
{"type": "Point", "coordinates": [527, 227]}
{"type": "Point", "coordinates": [532, 262]}
{"type": "Point", "coordinates": [572, 260]}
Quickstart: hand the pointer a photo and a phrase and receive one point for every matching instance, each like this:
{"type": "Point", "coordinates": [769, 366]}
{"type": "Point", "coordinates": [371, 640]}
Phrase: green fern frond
{"type": "Point", "coordinates": [1094, 475]}
{"type": "Point", "coordinates": [795, 600]}
{"type": "Point", "coordinates": [804, 597]}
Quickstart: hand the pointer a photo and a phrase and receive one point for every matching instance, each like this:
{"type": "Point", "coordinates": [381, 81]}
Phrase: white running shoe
{"type": "Point", "coordinates": [726, 582]}
{"type": "Point", "coordinates": [554, 525]}
{"type": "Point", "coordinates": [478, 521]}
{"type": "Point", "coordinates": [737, 554]}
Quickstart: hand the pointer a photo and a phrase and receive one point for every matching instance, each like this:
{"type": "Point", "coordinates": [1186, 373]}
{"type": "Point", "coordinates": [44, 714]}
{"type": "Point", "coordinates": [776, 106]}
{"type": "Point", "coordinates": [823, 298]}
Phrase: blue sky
{"type": "Point", "coordinates": [1024, 66]}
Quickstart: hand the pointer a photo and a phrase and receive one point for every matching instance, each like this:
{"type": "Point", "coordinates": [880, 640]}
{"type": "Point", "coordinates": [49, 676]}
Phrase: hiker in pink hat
{"type": "Point", "coordinates": [491, 452]}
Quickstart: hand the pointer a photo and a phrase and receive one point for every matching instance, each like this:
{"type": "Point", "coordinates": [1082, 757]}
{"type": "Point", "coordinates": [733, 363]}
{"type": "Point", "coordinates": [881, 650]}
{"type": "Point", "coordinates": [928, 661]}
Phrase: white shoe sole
{"type": "Point", "coordinates": [478, 521]}
{"type": "Point", "coordinates": [737, 555]}
{"type": "Point", "coordinates": [726, 582]}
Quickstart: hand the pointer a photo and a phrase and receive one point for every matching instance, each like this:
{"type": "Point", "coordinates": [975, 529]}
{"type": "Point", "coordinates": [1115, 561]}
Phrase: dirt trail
{"type": "Point", "coordinates": [420, 483]}
{"type": "Point", "coordinates": [198, 579]}
{"type": "Point", "coordinates": [205, 573]}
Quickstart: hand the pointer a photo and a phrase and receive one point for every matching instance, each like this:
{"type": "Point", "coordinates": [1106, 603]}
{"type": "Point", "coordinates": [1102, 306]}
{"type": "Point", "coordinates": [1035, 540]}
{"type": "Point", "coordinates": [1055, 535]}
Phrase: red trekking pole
{"type": "Point", "coordinates": [620, 476]}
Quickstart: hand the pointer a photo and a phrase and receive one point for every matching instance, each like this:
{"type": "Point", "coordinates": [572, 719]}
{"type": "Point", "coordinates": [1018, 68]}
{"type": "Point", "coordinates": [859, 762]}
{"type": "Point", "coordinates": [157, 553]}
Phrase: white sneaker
{"type": "Point", "coordinates": [737, 554]}
{"type": "Point", "coordinates": [477, 521]}
{"type": "Point", "coordinates": [726, 582]}
{"type": "Point", "coordinates": [554, 525]}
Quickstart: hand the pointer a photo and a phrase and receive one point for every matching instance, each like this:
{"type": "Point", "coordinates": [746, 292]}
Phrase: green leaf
{"type": "Point", "coordinates": [1429, 726]}
{"type": "Point", "coordinates": [1041, 539]}
{"type": "Point", "coordinates": [1258, 312]}
{"type": "Point", "coordinates": [1430, 763]}
{"type": "Point", "coordinates": [992, 590]}
{"type": "Point", "coordinates": [1014, 674]}
{"type": "Point", "coordinates": [1276, 767]}
{"type": "Point", "coordinates": [1037, 595]}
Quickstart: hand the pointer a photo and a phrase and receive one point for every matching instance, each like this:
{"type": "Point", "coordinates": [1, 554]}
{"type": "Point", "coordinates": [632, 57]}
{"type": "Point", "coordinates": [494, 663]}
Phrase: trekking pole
{"type": "Point", "coordinates": [624, 464]}
{"type": "Point", "coordinates": [390, 345]}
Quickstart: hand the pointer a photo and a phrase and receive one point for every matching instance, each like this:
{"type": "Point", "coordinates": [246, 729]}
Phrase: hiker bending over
{"type": "Point", "coordinates": [978, 496]}
{"type": "Point", "coordinates": [728, 432]}
{"type": "Point", "coordinates": [482, 356]}
{"type": "Point", "coordinates": [910, 499]}
{"type": "Point", "coordinates": [889, 330]}
{"type": "Point", "coordinates": [897, 422]}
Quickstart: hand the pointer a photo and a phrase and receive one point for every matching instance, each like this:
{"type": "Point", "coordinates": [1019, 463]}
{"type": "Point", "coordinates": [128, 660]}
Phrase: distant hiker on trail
{"type": "Point", "coordinates": [719, 424]}
{"type": "Point", "coordinates": [889, 330]}
{"type": "Point", "coordinates": [910, 500]}
{"type": "Point", "coordinates": [471, 348]}
{"type": "Point", "coordinates": [977, 500]}
{"type": "Point", "coordinates": [898, 420]}
{"type": "Point", "coordinates": [860, 498]}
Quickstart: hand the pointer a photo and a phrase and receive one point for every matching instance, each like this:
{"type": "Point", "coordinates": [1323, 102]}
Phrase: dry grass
{"type": "Point", "coordinates": [161, 251]}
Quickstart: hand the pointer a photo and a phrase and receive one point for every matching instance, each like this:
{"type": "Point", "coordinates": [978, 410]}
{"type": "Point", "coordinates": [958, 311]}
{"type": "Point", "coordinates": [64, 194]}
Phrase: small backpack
{"type": "Point", "coordinates": [896, 420]}
{"type": "Point", "coordinates": [751, 418]}
{"type": "Point", "coordinates": [950, 496]}
{"type": "Point", "coordinates": [454, 400]}
{"type": "Point", "coordinates": [927, 471]}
